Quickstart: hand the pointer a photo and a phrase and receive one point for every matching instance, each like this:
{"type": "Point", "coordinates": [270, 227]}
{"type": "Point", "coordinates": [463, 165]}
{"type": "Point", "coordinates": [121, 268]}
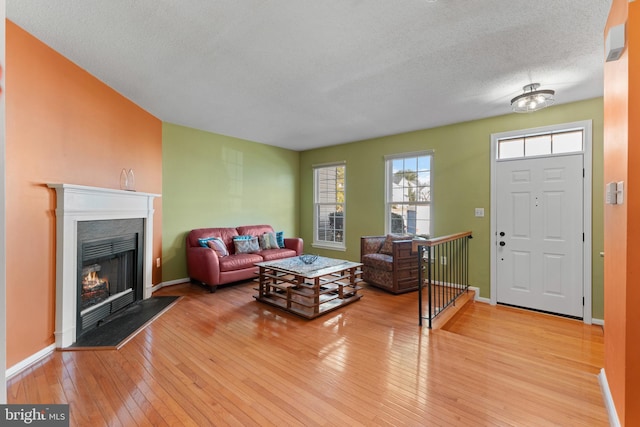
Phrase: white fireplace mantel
{"type": "Point", "coordinates": [81, 203]}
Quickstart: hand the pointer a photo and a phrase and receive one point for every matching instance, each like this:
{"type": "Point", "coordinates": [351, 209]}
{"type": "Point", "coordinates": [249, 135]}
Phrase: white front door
{"type": "Point", "coordinates": [539, 222]}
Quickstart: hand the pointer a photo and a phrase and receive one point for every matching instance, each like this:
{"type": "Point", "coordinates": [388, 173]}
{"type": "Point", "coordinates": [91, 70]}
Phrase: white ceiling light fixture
{"type": "Point", "coordinates": [532, 99]}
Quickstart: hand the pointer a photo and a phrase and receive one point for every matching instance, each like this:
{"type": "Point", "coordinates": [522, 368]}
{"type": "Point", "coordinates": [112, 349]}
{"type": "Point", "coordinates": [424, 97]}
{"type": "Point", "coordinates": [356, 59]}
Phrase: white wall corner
{"type": "Point", "coordinates": [477, 296]}
{"type": "Point", "coordinates": [3, 259]}
{"type": "Point", "coordinates": [608, 399]}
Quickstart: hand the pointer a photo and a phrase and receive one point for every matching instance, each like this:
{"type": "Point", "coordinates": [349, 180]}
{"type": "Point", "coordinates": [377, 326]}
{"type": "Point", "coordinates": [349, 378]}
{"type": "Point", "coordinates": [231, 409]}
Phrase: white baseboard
{"type": "Point", "coordinates": [608, 399]}
{"type": "Point", "coordinates": [478, 297]}
{"type": "Point", "coordinates": [169, 283]}
{"type": "Point", "coordinates": [30, 360]}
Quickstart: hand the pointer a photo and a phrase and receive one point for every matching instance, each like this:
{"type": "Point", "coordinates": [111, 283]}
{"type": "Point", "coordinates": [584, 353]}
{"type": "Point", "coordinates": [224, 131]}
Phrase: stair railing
{"type": "Point", "coordinates": [444, 269]}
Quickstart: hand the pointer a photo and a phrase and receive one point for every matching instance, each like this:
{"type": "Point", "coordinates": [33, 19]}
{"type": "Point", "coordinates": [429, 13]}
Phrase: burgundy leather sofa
{"type": "Point", "coordinates": [204, 265]}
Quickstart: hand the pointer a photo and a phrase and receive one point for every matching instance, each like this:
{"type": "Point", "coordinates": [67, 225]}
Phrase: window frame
{"type": "Point", "coordinates": [556, 132]}
{"type": "Point", "coordinates": [317, 242]}
{"type": "Point", "coordinates": [388, 202]}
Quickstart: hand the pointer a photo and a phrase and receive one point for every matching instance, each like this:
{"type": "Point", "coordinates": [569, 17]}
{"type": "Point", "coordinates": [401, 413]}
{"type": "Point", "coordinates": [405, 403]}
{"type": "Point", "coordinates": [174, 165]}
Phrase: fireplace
{"type": "Point", "coordinates": [93, 219]}
{"type": "Point", "coordinates": [110, 256]}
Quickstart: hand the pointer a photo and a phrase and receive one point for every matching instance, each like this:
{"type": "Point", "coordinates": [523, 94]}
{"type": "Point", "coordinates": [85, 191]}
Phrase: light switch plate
{"type": "Point", "coordinates": [479, 212]}
{"type": "Point", "coordinates": [611, 193]}
{"type": "Point", "coordinates": [620, 192]}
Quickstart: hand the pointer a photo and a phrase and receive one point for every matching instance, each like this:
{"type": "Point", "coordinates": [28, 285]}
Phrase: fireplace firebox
{"type": "Point", "coordinates": [110, 264]}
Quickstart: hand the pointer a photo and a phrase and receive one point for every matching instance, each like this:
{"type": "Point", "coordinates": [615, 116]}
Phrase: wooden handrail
{"type": "Point", "coordinates": [438, 240]}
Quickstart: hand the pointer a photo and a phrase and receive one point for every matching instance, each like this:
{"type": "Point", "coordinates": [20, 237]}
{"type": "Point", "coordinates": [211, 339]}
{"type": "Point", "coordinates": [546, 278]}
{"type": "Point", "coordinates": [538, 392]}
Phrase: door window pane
{"type": "Point", "coordinates": [567, 142]}
{"type": "Point", "coordinates": [510, 148]}
{"type": "Point", "coordinates": [540, 145]}
{"type": "Point", "coordinates": [537, 145]}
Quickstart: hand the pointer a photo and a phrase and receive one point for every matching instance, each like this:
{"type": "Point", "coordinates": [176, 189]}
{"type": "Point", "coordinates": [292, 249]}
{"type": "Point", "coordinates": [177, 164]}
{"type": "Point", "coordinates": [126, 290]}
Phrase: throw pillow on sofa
{"type": "Point", "coordinates": [246, 245]}
{"type": "Point", "coordinates": [268, 241]}
{"type": "Point", "coordinates": [203, 241]}
{"type": "Point", "coordinates": [280, 238]}
{"type": "Point", "coordinates": [218, 245]}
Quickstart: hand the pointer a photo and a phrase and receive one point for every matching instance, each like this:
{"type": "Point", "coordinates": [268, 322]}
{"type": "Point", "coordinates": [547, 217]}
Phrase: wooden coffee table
{"type": "Point", "coordinates": [309, 290]}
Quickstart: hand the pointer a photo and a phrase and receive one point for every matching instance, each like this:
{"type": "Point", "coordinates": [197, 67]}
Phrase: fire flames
{"type": "Point", "coordinates": [92, 281]}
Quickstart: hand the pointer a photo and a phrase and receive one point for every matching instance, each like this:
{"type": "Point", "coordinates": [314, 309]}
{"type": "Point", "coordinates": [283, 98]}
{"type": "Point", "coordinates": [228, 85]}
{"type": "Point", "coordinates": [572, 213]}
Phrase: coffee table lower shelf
{"type": "Point", "coordinates": [308, 312]}
{"type": "Point", "coordinates": [309, 295]}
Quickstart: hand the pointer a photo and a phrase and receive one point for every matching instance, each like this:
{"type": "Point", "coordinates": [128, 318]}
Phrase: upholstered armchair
{"type": "Point", "coordinates": [389, 263]}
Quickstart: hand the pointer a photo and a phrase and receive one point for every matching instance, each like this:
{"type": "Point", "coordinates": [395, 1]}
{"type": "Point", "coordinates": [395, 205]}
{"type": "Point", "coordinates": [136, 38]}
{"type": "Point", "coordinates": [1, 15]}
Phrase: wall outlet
{"type": "Point", "coordinates": [157, 262]}
{"type": "Point", "coordinates": [479, 212]}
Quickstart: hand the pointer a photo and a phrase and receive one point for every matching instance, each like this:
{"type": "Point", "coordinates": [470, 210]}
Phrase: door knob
{"type": "Point", "coordinates": [502, 234]}
{"type": "Point", "coordinates": [502, 243]}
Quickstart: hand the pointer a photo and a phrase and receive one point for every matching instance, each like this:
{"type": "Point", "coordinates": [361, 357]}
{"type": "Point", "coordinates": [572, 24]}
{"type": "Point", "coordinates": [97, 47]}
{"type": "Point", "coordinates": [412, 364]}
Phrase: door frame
{"type": "Point", "coordinates": [587, 189]}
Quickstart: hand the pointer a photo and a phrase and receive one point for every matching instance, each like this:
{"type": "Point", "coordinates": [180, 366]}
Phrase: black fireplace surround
{"type": "Point", "coordinates": [110, 264]}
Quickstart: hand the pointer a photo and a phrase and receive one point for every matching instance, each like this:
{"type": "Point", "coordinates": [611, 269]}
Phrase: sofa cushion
{"type": "Point", "coordinates": [218, 245]}
{"type": "Point", "coordinates": [246, 246]}
{"type": "Point", "coordinates": [387, 246]}
{"type": "Point", "coordinates": [224, 233]}
{"type": "Point", "coordinates": [254, 230]}
{"type": "Point", "coordinates": [239, 261]}
{"type": "Point", "coordinates": [268, 241]}
{"type": "Point", "coordinates": [271, 254]}
{"type": "Point", "coordinates": [378, 261]}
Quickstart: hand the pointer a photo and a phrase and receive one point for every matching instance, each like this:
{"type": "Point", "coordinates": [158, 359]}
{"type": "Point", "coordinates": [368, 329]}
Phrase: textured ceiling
{"type": "Point", "coordinates": [302, 74]}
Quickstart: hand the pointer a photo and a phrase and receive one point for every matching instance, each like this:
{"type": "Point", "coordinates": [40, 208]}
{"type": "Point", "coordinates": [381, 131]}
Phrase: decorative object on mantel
{"type": "Point", "coordinates": [127, 180]}
{"type": "Point", "coordinates": [533, 99]}
{"type": "Point", "coordinates": [124, 183]}
{"type": "Point", "coordinates": [131, 181]}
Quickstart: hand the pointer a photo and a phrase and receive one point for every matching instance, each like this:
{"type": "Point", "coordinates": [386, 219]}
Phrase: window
{"type": "Point", "coordinates": [546, 144]}
{"type": "Point", "coordinates": [408, 198]}
{"type": "Point", "coordinates": [329, 205]}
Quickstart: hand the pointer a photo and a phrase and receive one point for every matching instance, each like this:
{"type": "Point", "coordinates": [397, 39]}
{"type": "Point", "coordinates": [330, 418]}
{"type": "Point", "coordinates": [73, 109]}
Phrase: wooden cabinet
{"type": "Point", "coordinates": [405, 268]}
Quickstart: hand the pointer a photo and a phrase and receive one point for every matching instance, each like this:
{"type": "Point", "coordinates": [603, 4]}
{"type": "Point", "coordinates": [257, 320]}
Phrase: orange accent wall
{"type": "Point", "coordinates": [632, 386]}
{"type": "Point", "coordinates": [63, 126]}
{"type": "Point", "coordinates": [622, 222]}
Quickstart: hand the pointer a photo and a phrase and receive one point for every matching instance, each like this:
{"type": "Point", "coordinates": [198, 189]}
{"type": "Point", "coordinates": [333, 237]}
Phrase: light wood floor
{"type": "Point", "coordinates": [225, 359]}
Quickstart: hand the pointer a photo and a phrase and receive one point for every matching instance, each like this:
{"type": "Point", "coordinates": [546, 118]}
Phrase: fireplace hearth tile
{"type": "Point", "coordinates": [123, 325]}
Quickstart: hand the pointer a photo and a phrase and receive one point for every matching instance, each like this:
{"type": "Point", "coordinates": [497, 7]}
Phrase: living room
{"type": "Point", "coordinates": [66, 126]}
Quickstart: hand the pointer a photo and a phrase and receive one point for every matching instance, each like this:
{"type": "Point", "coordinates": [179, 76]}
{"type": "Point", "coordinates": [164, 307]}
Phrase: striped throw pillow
{"type": "Point", "coordinates": [218, 245]}
{"type": "Point", "coordinates": [268, 241]}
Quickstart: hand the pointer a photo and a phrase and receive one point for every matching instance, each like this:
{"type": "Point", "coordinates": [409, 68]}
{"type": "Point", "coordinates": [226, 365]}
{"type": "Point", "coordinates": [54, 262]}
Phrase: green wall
{"type": "Point", "coordinates": [461, 182]}
{"type": "Point", "coordinates": [211, 180]}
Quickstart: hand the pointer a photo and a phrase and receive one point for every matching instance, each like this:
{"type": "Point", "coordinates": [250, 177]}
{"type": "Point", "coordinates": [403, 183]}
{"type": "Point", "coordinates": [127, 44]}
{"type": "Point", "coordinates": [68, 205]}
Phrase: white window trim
{"type": "Point", "coordinates": [320, 244]}
{"type": "Point", "coordinates": [389, 189]}
{"type": "Point", "coordinates": [528, 133]}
